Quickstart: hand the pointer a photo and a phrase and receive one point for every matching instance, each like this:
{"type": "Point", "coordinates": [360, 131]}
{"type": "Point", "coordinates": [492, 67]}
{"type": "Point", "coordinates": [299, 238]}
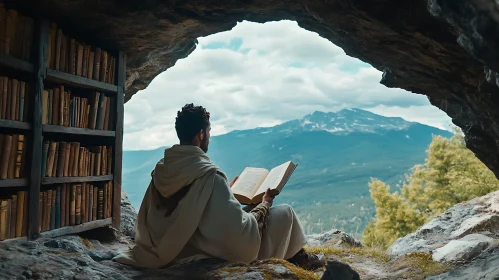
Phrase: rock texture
{"type": "Point", "coordinates": [334, 237]}
{"type": "Point", "coordinates": [445, 49]}
{"type": "Point", "coordinates": [463, 249]}
{"type": "Point", "coordinates": [480, 215]}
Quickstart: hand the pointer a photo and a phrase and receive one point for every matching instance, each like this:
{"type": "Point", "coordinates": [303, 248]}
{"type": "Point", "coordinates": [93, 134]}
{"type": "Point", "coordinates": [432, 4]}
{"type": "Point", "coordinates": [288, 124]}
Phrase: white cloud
{"type": "Point", "coordinates": [261, 75]}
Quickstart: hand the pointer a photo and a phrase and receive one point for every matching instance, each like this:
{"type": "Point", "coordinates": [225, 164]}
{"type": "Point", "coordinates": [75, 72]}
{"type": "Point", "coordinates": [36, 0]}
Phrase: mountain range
{"type": "Point", "coordinates": [337, 154]}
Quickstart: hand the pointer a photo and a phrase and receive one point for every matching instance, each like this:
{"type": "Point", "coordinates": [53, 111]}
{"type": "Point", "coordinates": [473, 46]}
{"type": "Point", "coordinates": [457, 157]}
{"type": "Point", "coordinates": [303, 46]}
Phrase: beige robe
{"type": "Point", "coordinates": [208, 221]}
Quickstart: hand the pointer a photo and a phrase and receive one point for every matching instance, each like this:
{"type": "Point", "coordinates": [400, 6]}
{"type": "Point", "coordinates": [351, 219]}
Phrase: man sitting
{"type": "Point", "coordinates": [189, 212]}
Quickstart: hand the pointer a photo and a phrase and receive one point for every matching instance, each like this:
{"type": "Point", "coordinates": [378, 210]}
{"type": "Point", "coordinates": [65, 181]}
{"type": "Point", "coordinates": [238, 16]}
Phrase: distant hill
{"type": "Point", "coordinates": [337, 154]}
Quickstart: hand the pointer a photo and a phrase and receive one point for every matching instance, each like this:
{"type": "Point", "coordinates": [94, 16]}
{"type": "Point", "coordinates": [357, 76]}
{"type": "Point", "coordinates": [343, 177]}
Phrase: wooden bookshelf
{"type": "Point", "coordinates": [68, 180]}
{"type": "Point", "coordinates": [78, 81]}
{"type": "Point", "coordinates": [13, 63]}
{"type": "Point", "coordinates": [40, 74]}
{"type": "Point", "coordinates": [15, 125]}
{"type": "Point", "coordinates": [77, 130]}
{"type": "Point", "coordinates": [7, 183]}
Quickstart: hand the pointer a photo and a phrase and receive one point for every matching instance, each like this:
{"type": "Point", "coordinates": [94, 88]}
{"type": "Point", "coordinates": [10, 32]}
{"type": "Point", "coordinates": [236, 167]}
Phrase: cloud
{"type": "Point", "coordinates": [262, 75]}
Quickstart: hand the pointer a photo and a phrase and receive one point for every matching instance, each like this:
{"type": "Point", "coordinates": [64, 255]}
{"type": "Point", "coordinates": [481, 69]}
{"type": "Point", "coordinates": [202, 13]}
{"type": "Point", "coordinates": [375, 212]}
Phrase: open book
{"type": "Point", "coordinates": [253, 182]}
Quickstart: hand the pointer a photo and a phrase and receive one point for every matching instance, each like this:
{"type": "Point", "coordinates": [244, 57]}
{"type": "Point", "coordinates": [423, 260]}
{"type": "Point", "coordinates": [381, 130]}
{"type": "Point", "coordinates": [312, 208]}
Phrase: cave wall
{"type": "Point", "coordinates": [445, 49]}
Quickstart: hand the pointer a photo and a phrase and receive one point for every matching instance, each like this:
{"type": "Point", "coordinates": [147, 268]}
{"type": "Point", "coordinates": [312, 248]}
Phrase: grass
{"type": "Point", "coordinates": [377, 254]}
{"type": "Point", "coordinates": [269, 272]}
{"type": "Point", "coordinates": [421, 264]}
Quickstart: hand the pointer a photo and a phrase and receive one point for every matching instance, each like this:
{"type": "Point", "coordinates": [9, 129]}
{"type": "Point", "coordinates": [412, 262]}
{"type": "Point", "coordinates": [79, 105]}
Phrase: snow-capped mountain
{"type": "Point", "coordinates": [337, 154]}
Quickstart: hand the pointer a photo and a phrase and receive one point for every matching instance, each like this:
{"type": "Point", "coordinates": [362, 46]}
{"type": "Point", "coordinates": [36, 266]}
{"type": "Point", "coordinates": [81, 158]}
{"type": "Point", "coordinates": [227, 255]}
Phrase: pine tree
{"type": "Point", "coordinates": [450, 174]}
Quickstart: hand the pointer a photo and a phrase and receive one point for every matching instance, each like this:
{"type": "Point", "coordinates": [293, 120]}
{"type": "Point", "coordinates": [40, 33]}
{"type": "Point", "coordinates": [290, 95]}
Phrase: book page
{"type": "Point", "coordinates": [274, 178]}
{"type": "Point", "coordinates": [249, 181]}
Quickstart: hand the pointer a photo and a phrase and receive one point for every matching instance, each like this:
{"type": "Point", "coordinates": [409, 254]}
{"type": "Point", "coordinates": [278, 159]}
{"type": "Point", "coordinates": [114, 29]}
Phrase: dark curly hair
{"type": "Point", "coordinates": [190, 121]}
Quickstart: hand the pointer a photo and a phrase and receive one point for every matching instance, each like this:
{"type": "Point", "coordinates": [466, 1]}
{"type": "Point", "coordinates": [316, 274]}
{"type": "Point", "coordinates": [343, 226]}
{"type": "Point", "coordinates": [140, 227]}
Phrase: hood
{"type": "Point", "coordinates": [181, 165]}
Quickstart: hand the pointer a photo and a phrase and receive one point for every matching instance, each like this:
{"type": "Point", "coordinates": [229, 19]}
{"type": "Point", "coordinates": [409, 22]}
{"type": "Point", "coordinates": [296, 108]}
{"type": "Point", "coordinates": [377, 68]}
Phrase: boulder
{"type": "Point", "coordinates": [332, 237]}
{"type": "Point", "coordinates": [485, 267]}
{"type": "Point", "coordinates": [479, 215]}
{"type": "Point", "coordinates": [463, 249]}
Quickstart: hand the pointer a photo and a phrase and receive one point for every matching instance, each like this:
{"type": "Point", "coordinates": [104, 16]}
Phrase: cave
{"type": "Point", "coordinates": [444, 49]}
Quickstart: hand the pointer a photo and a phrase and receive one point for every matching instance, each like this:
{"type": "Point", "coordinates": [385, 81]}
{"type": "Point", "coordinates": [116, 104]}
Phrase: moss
{"type": "Point", "coordinates": [298, 272]}
{"type": "Point", "coordinates": [421, 264]}
{"type": "Point", "coordinates": [349, 254]}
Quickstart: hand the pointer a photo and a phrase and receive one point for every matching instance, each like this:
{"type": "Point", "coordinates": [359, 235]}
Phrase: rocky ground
{"type": "Point", "coordinates": [462, 243]}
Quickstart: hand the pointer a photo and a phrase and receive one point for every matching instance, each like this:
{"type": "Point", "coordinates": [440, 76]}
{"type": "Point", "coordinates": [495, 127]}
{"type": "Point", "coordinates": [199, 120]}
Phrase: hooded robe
{"type": "Point", "coordinates": [208, 221]}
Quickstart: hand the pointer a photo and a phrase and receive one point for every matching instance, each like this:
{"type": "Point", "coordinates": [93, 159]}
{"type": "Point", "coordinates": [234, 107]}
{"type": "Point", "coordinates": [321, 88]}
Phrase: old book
{"type": "Point", "coordinates": [84, 67]}
{"type": "Point", "coordinates": [64, 54]}
{"type": "Point", "coordinates": [103, 66]}
{"type": "Point", "coordinates": [77, 111]}
{"type": "Point", "coordinates": [10, 96]}
{"type": "Point", "coordinates": [13, 216]}
{"type": "Point", "coordinates": [76, 158]}
{"type": "Point", "coordinates": [45, 150]}
{"type": "Point", "coordinates": [50, 106]}
{"type": "Point", "coordinates": [61, 159]}
{"type": "Point", "coordinates": [79, 58]}
{"type": "Point", "coordinates": [92, 164]}
{"type": "Point", "coordinates": [51, 46]}
{"type": "Point", "coordinates": [48, 208]}
{"type": "Point", "coordinates": [40, 212]}
{"type": "Point", "coordinates": [58, 46]}
{"type": "Point", "coordinates": [83, 202]}
{"type": "Point", "coordinates": [56, 160]}
{"type": "Point", "coordinates": [62, 221]}
{"type": "Point", "coordinates": [78, 205]}
{"type": "Point", "coordinates": [56, 106]}
{"type": "Point", "coordinates": [4, 161]}
{"type": "Point", "coordinates": [87, 114]}
{"type": "Point", "coordinates": [12, 158]}
{"type": "Point", "coordinates": [98, 158]}
{"type": "Point", "coordinates": [104, 161]}
{"type": "Point", "coordinates": [22, 92]}
{"type": "Point", "coordinates": [72, 56]}
{"type": "Point", "coordinates": [52, 209]}
{"type": "Point", "coordinates": [72, 208]}
{"type": "Point", "coordinates": [57, 207]}
{"type": "Point", "coordinates": [21, 200]}
{"type": "Point", "coordinates": [68, 204]}
{"type": "Point", "coordinates": [251, 185]}
{"type": "Point", "coordinates": [7, 222]}
{"type": "Point", "coordinates": [61, 105]}
{"type": "Point", "coordinates": [90, 65]}
{"type": "Point", "coordinates": [109, 199]}
{"type": "Point", "coordinates": [106, 116]}
{"type": "Point", "coordinates": [67, 114]}
{"type": "Point", "coordinates": [5, 97]}
{"type": "Point", "coordinates": [90, 202]}
{"type": "Point", "coordinates": [97, 66]}
{"type": "Point", "coordinates": [45, 106]}
{"type": "Point", "coordinates": [19, 156]}
{"type": "Point", "coordinates": [67, 159]}
{"type": "Point", "coordinates": [14, 113]}
{"type": "Point", "coordinates": [25, 215]}
{"type": "Point", "coordinates": [3, 219]}
{"type": "Point", "coordinates": [10, 30]}
{"type": "Point", "coordinates": [100, 204]}
{"type": "Point", "coordinates": [94, 203]}
{"type": "Point", "coordinates": [3, 22]}
{"type": "Point", "coordinates": [51, 159]}
{"type": "Point", "coordinates": [105, 207]}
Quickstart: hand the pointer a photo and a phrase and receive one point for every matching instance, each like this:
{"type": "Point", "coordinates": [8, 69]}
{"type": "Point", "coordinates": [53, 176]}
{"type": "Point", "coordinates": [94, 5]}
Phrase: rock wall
{"type": "Point", "coordinates": [445, 49]}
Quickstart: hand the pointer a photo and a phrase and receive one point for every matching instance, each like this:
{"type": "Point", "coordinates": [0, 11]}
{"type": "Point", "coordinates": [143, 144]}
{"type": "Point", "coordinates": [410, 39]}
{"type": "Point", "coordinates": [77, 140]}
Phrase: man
{"type": "Point", "coordinates": [189, 212]}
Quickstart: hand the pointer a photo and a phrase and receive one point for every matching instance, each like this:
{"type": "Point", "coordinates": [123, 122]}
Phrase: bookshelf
{"type": "Point", "coordinates": [56, 68]}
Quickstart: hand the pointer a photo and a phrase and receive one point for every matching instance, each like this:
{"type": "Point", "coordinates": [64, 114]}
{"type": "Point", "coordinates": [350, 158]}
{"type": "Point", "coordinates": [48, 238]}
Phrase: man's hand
{"type": "Point", "coordinates": [233, 181]}
{"type": "Point", "coordinates": [268, 197]}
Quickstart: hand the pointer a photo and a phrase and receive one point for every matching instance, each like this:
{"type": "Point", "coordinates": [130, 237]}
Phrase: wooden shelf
{"type": "Point", "coordinates": [15, 63]}
{"type": "Point", "coordinates": [77, 130]}
{"type": "Point", "coordinates": [68, 180]}
{"type": "Point", "coordinates": [15, 124]}
{"type": "Point", "coordinates": [78, 81]}
{"type": "Point", "coordinates": [5, 183]}
{"type": "Point", "coordinates": [76, 229]}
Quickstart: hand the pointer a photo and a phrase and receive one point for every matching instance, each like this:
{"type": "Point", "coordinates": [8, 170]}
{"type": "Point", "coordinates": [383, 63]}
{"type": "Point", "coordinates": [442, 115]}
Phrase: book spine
{"type": "Point", "coordinates": [3, 19]}
{"type": "Point", "coordinates": [47, 196]}
{"type": "Point", "coordinates": [3, 219]}
{"type": "Point", "coordinates": [26, 215]}
{"type": "Point", "coordinates": [90, 202]}
{"type": "Point", "coordinates": [13, 216]}
{"type": "Point", "coordinates": [52, 209]}
{"type": "Point", "coordinates": [58, 207]}
{"type": "Point", "coordinates": [72, 208]}
{"type": "Point", "coordinates": [22, 90]}
{"type": "Point", "coordinates": [68, 204]}
{"type": "Point", "coordinates": [21, 195]}
{"type": "Point", "coordinates": [100, 204]}
{"type": "Point", "coordinates": [19, 155]}
{"type": "Point", "coordinates": [12, 158]}
{"type": "Point", "coordinates": [95, 203]}
{"type": "Point", "coordinates": [63, 206]}
{"type": "Point", "coordinates": [83, 203]}
{"type": "Point", "coordinates": [58, 47]}
{"type": "Point", "coordinates": [78, 205]}
{"type": "Point", "coordinates": [50, 106]}
{"type": "Point", "coordinates": [4, 162]}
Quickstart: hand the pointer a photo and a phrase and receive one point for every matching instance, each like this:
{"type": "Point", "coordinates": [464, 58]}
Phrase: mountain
{"type": "Point", "coordinates": [337, 154]}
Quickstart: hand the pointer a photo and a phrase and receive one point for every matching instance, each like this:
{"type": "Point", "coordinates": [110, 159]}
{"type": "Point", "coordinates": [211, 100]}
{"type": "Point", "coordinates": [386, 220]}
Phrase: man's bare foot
{"type": "Point", "coordinates": [307, 260]}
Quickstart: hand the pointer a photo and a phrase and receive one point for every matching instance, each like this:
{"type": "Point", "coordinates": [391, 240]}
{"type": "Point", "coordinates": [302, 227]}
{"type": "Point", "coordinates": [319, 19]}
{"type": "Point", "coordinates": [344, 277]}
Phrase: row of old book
{"type": "Point", "coordinates": [16, 33]}
{"type": "Point", "coordinates": [69, 159]}
{"type": "Point", "coordinates": [61, 107]}
{"type": "Point", "coordinates": [13, 99]}
{"type": "Point", "coordinates": [69, 55]}
{"type": "Point", "coordinates": [14, 215]}
{"type": "Point", "coordinates": [12, 156]}
{"type": "Point", "coordinates": [74, 204]}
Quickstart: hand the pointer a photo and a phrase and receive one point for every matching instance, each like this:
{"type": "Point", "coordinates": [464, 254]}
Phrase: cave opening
{"type": "Point", "coordinates": [267, 76]}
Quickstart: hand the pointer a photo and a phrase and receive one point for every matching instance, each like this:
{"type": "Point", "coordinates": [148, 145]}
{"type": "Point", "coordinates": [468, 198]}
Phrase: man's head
{"type": "Point", "coordinates": [193, 126]}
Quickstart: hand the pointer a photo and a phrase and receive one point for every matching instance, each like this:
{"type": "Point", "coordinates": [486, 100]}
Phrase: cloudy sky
{"type": "Point", "coordinates": [262, 75]}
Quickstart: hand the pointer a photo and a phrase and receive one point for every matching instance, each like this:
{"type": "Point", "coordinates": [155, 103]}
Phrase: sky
{"type": "Point", "coordinates": [258, 75]}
